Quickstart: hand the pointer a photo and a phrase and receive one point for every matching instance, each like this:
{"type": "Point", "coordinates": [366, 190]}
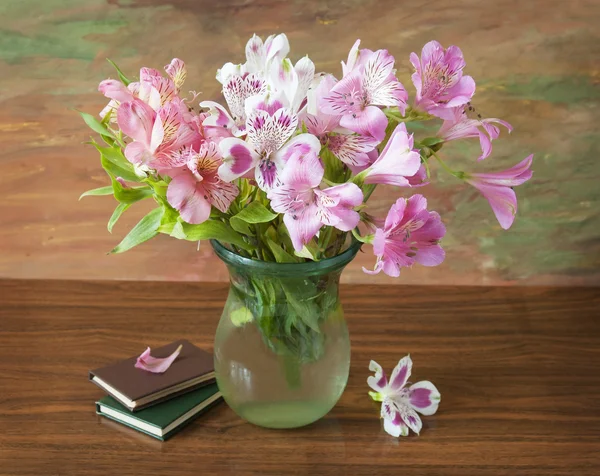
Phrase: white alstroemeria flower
{"type": "Point", "coordinates": [400, 404]}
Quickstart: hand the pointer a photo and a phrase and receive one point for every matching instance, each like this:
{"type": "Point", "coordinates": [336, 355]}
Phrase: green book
{"type": "Point", "coordinates": [163, 420]}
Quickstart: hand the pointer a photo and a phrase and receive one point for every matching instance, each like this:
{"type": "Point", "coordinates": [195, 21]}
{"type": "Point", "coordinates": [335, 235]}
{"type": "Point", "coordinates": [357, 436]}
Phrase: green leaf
{"type": "Point", "coordinates": [170, 216]}
{"type": "Point", "coordinates": [146, 228]}
{"type": "Point", "coordinates": [430, 141]}
{"type": "Point", "coordinates": [114, 161]}
{"type": "Point", "coordinates": [95, 124]}
{"type": "Point", "coordinates": [309, 251]}
{"type": "Point", "coordinates": [253, 213]}
{"type": "Point", "coordinates": [129, 195]}
{"type": "Point", "coordinates": [108, 190]}
{"type": "Point", "coordinates": [281, 256]}
{"type": "Point", "coordinates": [122, 77]}
{"type": "Point", "coordinates": [121, 207]}
{"type": "Point", "coordinates": [117, 171]}
{"type": "Point", "coordinates": [210, 230]}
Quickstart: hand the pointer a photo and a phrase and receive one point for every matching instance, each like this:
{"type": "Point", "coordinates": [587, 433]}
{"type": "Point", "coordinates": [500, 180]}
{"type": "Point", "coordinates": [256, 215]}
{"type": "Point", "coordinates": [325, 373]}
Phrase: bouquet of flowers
{"type": "Point", "coordinates": [283, 170]}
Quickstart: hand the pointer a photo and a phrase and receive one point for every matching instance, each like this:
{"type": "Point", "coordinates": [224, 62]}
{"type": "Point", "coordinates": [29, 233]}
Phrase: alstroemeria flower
{"type": "Point", "coordinates": [411, 234]}
{"type": "Point", "coordinates": [152, 88]}
{"type": "Point", "coordinates": [259, 57]}
{"type": "Point", "coordinates": [359, 95]}
{"type": "Point", "coordinates": [292, 80]}
{"type": "Point", "coordinates": [400, 403]}
{"type": "Point", "coordinates": [269, 126]}
{"type": "Point", "coordinates": [439, 79]}
{"type": "Point", "coordinates": [156, 136]}
{"type": "Point", "coordinates": [397, 161]}
{"type": "Point", "coordinates": [306, 208]}
{"type": "Point", "coordinates": [459, 126]}
{"type": "Point", "coordinates": [154, 364]}
{"type": "Point", "coordinates": [196, 186]}
{"type": "Point", "coordinates": [236, 89]}
{"type": "Point", "coordinates": [497, 189]}
{"type": "Point", "coordinates": [348, 146]}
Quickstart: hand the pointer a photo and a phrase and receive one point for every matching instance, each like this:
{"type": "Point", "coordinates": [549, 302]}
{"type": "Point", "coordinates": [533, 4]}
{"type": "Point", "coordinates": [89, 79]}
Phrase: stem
{"type": "Point", "coordinates": [426, 168]}
{"type": "Point", "coordinates": [445, 167]}
{"type": "Point", "coordinates": [291, 370]}
{"type": "Point", "coordinates": [369, 191]}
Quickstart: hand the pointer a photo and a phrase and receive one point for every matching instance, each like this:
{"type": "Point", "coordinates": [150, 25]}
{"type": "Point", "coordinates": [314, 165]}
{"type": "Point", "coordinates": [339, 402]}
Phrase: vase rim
{"type": "Point", "coordinates": [288, 269]}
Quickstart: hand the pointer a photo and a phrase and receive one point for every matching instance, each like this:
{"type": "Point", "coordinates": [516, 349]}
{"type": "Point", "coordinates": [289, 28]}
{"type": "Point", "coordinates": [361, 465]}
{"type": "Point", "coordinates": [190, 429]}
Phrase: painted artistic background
{"type": "Point", "coordinates": [536, 63]}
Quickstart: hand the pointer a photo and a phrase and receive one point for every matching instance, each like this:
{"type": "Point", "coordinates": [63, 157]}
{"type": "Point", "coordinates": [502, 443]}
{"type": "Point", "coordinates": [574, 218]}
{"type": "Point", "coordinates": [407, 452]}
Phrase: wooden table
{"type": "Point", "coordinates": [518, 369]}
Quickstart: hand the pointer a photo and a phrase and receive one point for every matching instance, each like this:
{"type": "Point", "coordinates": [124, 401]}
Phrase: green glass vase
{"type": "Point", "coordinates": [282, 349]}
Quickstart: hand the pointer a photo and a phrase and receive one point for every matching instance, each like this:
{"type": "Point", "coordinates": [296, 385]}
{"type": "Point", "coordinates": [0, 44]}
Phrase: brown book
{"type": "Point", "coordinates": [136, 388]}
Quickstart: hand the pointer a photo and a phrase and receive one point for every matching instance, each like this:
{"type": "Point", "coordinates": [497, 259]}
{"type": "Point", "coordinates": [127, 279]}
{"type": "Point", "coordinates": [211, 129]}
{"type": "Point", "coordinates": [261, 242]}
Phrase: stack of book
{"type": "Point", "coordinates": [158, 404]}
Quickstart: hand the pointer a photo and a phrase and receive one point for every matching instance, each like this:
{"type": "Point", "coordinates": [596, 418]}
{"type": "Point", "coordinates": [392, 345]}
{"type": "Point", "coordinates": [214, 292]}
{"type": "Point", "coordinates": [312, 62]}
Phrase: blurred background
{"type": "Point", "coordinates": [536, 64]}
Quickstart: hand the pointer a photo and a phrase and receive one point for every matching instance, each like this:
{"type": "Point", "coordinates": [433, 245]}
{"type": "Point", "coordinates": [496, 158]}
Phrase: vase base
{"type": "Point", "coordinates": [281, 415]}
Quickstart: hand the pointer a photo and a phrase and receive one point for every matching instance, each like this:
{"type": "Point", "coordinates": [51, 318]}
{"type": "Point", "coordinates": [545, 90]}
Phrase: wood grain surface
{"type": "Point", "coordinates": [518, 369]}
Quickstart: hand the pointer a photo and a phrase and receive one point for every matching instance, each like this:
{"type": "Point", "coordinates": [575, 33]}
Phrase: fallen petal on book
{"type": "Point", "coordinates": [155, 364]}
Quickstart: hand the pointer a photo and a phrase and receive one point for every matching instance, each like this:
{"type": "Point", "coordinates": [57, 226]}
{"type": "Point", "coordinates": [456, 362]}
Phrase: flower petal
{"type": "Point", "coordinates": [156, 365]}
{"type": "Point", "coordinates": [392, 420]}
{"type": "Point", "coordinates": [277, 47]}
{"type": "Point", "coordinates": [137, 153]}
{"type": "Point", "coordinates": [255, 54]}
{"type": "Point", "coordinates": [352, 58]}
{"type": "Point", "coordinates": [116, 90]}
{"type": "Point", "coordinates": [267, 133]}
{"type": "Point", "coordinates": [303, 171]}
{"type": "Point", "coordinates": [396, 162]}
{"type": "Point", "coordinates": [302, 144]}
{"type": "Point", "coordinates": [219, 117]}
{"type": "Point", "coordinates": [136, 119]}
{"type": "Point", "coordinates": [377, 382]}
{"type": "Point", "coordinates": [351, 148]}
{"type": "Point", "coordinates": [177, 72]}
{"type": "Point", "coordinates": [302, 227]}
{"type": "Point", "coordinates": [283, 77]}
{"type": "Point", "coordinates": [410, 417]}
{"type": "Point", "coordinates": [401, 374]}
{"type": "Point", "coordinates": [188, 196]}
{"type": "Point", "coordinates": [503, 201]}
{"type": "Point", "coordinates": [424, 397]}
{"type": "Point", "coordinates": [305, 71]}
{"type": "Point", "coordinates": [370, 121]}
{"type": "Point", "coordinates": [238, 158]}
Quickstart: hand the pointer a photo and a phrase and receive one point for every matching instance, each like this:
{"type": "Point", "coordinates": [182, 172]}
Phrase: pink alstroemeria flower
{"type": "Point", "coordinates": [269, 126]}
{"type": "Point", "coordinates": [497, 189]}
{"type": "Point", "coordinates": [196, 186]}
{"type": "Point", "coordinates": [154, 364]}
{"type": "Point", "coordinates": [411, 234]}
{"type": "Point", "coordinates": [306, 208]}
{"type": "Point", "coordinates": [397, 161]}
{"type": "Point", "coordinates": [370, 83]}
{"type": "Point", "coordinates": [348, 146]}
{"type": "Point", "coordinates": [459, 126]}
{"type": "Point", "coordinates": [156, 136]}
{"type": "Point", "coordinates": [439, 79]}
{"type": "Point", "coordinates": [152, 88]}
{"type": "Point", "coordinates": [400, 403]}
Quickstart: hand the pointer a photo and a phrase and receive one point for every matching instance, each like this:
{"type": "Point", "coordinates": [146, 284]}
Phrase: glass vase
{"type": "Point", "coordinates": [282, 349]}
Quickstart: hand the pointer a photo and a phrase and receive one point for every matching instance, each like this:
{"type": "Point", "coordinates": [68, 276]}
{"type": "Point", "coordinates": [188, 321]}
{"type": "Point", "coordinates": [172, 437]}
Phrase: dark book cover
{"type": "Point", "coordinates": [146, 388]}
{"type": "Point", "coordinates": [163, 420]}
